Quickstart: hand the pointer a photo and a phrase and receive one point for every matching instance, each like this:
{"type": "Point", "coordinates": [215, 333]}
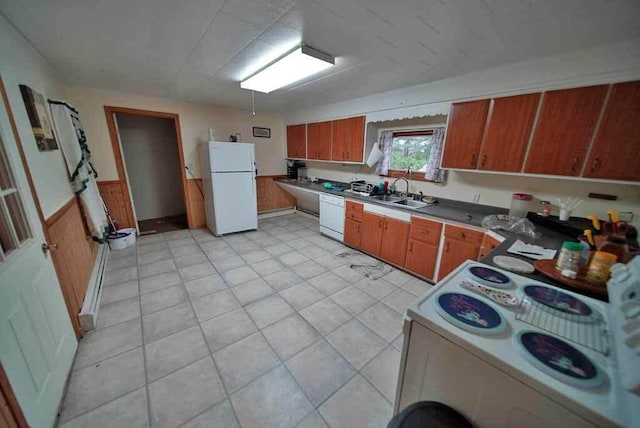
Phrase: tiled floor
{"type": "Point", "coordinates": [262, 329]}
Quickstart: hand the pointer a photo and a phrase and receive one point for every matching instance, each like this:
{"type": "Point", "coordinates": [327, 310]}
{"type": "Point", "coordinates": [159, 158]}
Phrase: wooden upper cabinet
{"type": "Point", "coordinates": [297, 141]}
{"type": "Point", "coordinates": [371, 233]}
{"type": "Point", "coordinates": [616, 149]}
{"type": "Point", "coordinates": [464, 134]}
{"type": "Point", "coordinates": [319, 140]}
{"type": "Point", "coordinates": [564, 130]}
{"type": "Point", "coordinates": [507, 132]}
{"type": "Point", "coordinates": [394, 240]}
{"type": "Point", "coordinates": [348, 139]}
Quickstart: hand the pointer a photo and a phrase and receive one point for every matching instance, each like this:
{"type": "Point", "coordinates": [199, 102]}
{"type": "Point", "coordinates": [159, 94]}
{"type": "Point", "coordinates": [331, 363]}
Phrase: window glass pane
{"type": "Point", "coordinates": [6, 179]}
{"type": "Point", "coordinates": [411, 152]}
{"type": "Point", "coordinates": [18, 217]}
{"type": "Point", "coordinates": [6, 239]}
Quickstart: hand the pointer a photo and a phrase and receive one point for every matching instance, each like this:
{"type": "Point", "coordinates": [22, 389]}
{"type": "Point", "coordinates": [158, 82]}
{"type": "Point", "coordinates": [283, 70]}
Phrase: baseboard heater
{"type": "Point", "coordinates": [89, 313]}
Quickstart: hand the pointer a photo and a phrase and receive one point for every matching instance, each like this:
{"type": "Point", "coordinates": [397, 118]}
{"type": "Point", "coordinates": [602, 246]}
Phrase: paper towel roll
{"type": "Point", "coordinates": [374, 155]}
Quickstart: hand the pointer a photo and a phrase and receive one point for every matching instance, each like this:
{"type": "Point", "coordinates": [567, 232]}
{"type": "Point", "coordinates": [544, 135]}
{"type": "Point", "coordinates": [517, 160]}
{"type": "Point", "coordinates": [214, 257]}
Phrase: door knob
{"type": "Point", "coordinates": [47, 247]}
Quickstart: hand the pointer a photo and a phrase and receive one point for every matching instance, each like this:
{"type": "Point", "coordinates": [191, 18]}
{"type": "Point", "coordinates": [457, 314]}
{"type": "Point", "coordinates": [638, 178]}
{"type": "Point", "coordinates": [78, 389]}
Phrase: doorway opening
{"type": "Point", "coordinates": [152, 165]}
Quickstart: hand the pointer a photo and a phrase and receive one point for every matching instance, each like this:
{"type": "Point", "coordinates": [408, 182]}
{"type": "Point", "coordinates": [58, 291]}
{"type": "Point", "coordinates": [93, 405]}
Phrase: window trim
{"type": "Point", "coordinates": [400, 173]}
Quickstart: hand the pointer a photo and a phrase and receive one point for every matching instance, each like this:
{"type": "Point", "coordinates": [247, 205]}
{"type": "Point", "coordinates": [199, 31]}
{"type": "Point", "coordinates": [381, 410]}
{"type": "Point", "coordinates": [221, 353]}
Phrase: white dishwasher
{"type": "Point", "coordinates": [332, 216]}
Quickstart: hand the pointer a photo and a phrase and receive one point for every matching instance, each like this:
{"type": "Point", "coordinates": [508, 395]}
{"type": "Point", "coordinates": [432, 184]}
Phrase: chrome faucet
{"type": "Point", "coordinates": [405, 180]}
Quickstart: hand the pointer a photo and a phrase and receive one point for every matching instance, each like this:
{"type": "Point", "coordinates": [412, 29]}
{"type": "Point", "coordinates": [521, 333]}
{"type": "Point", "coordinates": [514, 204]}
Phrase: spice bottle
{"type": "Point", "coordinates": [600, 267]}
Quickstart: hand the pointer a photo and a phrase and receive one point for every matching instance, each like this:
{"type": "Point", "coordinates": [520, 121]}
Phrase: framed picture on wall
{"type": "Point", "coordinates": [261, 132]}
{"type": "Point", "coordinates": [40, 119]}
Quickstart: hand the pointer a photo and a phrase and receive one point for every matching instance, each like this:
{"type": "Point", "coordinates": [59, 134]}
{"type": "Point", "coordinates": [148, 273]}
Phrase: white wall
{"type": "Point", "coordinates": [195, 120]}
{"type": "Point", "coordinates": [21, 64]}
{"type": "Point", "coordinates": [612, 63]}
{"type": "Point", "coordinates": [150, 151]}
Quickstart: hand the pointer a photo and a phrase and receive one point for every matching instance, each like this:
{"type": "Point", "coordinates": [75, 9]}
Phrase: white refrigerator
{"type": "Point", "coordinates": [229, 186]}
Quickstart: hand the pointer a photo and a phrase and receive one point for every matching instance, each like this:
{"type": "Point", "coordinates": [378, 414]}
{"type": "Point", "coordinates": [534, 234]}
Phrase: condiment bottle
{"type": "Point", "coordinates": [600, 266]}
{"type": "Point", "coordinates": [569, 255]}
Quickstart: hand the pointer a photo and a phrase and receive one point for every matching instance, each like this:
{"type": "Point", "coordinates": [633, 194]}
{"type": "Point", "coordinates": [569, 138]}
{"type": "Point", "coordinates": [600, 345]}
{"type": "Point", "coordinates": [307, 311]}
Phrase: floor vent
{"type": "Point", "coordinates": [89, 313]}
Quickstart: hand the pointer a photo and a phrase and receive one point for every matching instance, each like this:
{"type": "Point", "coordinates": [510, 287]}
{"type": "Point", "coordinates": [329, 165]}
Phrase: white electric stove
{"type": "Point", "coordinates": [507, 351]}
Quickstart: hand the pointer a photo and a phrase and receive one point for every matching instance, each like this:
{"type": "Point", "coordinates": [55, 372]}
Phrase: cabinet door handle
{"type": "Point", "coordinates": [347, 155]}
{"type": "Point", "coordinates": [462, 235]}
{"type": "Point", "coordinates": [473, 159]}
{"type": "Point", "coordinates": [574, 164]}
{"type": "Point", "coordinates": [380, 223]}
{"type": "Point", "coordinates": [446, 247]}
{"type": "Point", "coordinates": [484, 160]}
{"type": "Point", "coordinates": [411, 246]}
{"type": "Point", "coordinates": [595, 164]}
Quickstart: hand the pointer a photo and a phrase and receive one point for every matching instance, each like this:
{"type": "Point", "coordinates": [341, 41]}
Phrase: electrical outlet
{"type": "Point", "coordinates": [476, 198]}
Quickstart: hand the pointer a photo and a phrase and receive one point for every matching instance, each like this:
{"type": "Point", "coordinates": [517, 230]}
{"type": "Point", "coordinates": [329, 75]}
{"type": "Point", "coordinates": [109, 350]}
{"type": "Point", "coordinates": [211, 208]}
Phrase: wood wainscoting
{"type": "Point", "coordinates": [73, 254]}
{"type": "Point", "coordinates": [114, 194]}
{"type": "Point", "coordinates": [271, 197]}
{"type": "Point", "coordinates": [195, 200]}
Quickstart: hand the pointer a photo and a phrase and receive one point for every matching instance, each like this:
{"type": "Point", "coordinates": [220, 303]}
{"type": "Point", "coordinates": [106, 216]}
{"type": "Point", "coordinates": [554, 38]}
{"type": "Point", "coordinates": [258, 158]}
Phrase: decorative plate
{"type": "Point", "coordinates": [560, 302]}
{"type": "Point", "coordinates": [490, 277]}
{"type": "Point", "coordinates": [513, 264]}
{"type": "Point", "coordinates": [469, 313]}
{"type": "Point", "coordinates": [558, 359]}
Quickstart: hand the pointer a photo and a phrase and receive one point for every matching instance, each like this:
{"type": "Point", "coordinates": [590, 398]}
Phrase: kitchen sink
{"type": "Point", "coordinates": [410, 203]}
{"type": "Point", "coordinates": [387, 198]}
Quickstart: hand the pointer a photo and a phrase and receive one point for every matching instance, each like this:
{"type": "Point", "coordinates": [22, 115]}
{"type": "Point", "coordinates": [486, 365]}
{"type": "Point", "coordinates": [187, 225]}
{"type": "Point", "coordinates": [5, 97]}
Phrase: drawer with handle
{"type": "Point", "coordinates": [354, 206]}
{"type": "Point", "coordinates": [463, 234]}
{"type": "Point", "coordinates": [425, 230]}
{"type": "Point", "coordinates": [354, 215]}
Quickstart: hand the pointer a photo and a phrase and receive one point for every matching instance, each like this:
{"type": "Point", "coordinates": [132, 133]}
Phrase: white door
{"type": "Point", "coordinates": [234, 202]}
{"type": "Point", "coordinates": [231, 157]}
{"type": "Point", "coordinates": [37, 341]}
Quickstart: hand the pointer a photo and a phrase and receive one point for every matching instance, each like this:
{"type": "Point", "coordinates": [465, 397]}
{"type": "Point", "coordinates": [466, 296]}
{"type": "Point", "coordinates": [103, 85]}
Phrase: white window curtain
{"type": "Point", "coordinates": [386, 146]}
{"type": "Point", "coordinates": [82, 174]}
{"type": "Point", "coordinates": [432, 170]}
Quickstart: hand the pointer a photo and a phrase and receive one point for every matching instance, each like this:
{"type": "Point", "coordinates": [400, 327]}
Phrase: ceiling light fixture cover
{"type": "Point", "coordinates": [299, 63]}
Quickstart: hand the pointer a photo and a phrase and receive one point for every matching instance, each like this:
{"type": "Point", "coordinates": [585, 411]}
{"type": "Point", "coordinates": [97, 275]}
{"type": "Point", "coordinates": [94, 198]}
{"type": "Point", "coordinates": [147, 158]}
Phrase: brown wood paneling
{"type": "Point", "coordinates": [270, 196]}
{"type": "Point", "coordinates": [117, 203]}
{"type": "Point", "coordinates": [507, 132]}
{"type": "Point", "coordinates": [297, 141]}
{"type": "Point", "coordinates": [10, 412]}
{"type": "Point", "coordinates": [371, 233]}
{"type": "Point", "coordinates": [354, 206]}
{"type": "Point", "coordinates": [616, 150]}
{"type": "Point", "coordinates": [464, 134]}
{"type": "Point", "coordinates": [394, 240]}
{"type": "Point", "coordinates": [338, 140]}
{"type": "Point", "coordinates": [195, 201]}
{"type": "Point", "coordinates": [73, 256]}
{"type": "Point", "coordinates": [564, 129]}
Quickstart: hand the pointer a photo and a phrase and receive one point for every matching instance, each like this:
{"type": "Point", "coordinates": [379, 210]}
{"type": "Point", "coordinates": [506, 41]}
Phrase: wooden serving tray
{"type": "Point", "coordinates": [548, 268]}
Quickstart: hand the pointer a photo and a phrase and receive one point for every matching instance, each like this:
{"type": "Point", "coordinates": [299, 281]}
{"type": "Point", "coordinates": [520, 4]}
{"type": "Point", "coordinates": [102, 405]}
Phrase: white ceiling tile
{"type": "Point", "coordinates": [198, 50]}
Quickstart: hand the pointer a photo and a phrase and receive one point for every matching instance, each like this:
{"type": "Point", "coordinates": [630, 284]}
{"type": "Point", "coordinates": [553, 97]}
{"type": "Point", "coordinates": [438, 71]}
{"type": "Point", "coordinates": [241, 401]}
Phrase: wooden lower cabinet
{"type": "Point", "coordinates": [455, 252]}
{"type": "Point", "coordinates": [421, 258]}
{"type": "Point", "coordinates": [371, 235]}
{"type": "Point", "coordinates": [489, 244]}
{"type": "Point", "coordinates": [394, 240]}
{"type": "Point", "coordinates": [352, 233]}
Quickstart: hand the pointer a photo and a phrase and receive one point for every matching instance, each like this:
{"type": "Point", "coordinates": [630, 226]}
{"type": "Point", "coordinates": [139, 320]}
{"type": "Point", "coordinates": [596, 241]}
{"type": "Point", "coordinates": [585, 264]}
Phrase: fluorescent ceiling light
{"type": "Point", "coordinates": [301, 62]}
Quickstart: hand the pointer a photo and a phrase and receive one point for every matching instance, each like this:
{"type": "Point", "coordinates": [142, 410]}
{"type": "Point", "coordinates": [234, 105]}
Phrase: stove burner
{"type": "Point", "coordinates": [558, 359]}
{"type": "Point", "coordinates": [469, 314]}
{"type": "Point", "coordinates": [558, 301]}
{"type": "Point", "coordinates": [489, 277]}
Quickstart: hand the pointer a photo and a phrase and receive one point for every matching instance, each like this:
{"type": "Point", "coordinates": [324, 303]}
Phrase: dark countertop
{"type": "Point", "coordinates": [447, 209]}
